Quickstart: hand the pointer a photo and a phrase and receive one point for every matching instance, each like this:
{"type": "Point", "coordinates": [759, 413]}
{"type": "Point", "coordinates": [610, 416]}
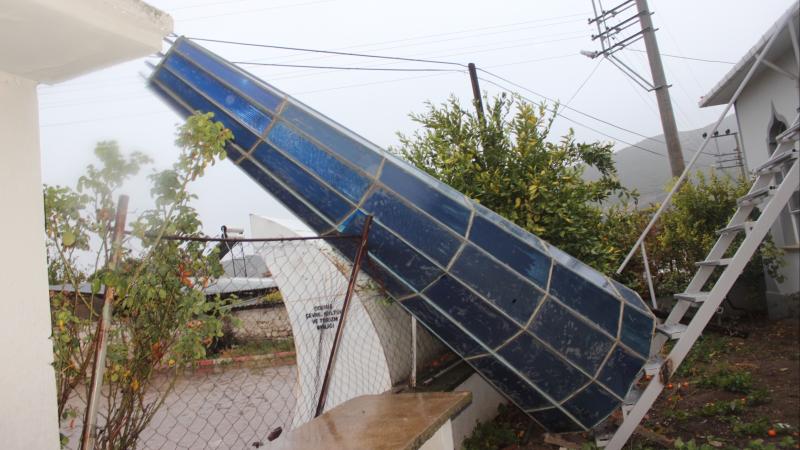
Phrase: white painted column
{"type": "Point", "coordinates": [28, 411]}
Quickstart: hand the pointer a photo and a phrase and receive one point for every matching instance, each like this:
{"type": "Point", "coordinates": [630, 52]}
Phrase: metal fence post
{"type": "Point", "coordinates": [89, 432]}
{"type": "Point", "coordinates": [362, 249]}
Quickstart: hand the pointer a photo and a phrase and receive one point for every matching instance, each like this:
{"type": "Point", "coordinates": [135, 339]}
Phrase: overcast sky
{"type": "Point", "coordinates": [532, 43]}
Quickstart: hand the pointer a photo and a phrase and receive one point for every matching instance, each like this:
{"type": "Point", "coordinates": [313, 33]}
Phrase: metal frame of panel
{"type": "Point", "coordinates": [562, 341]}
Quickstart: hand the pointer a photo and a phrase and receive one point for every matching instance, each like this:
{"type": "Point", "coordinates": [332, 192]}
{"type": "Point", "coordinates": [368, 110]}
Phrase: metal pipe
{"type": "Point", "coordinates": [351, 285]}
{"type": "Point", "coordinates": [413, 377]}
{"type": "Point", "coordinates": [89, 433]}
{"type": "Point", "coordinates": [212, 239]}
{"type": "Point", "coordinates": [697, 154]}
{"type": "Point", "coordinates": [649, 279]}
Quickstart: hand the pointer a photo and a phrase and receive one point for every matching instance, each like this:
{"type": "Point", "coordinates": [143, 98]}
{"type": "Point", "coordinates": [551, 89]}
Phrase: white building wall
{"type": "Point", "coordinates": [28, 415]}
{"type": "Point", "coordinates": [771, 93]}
{"type": "Point", "coordinates": [755, 105]}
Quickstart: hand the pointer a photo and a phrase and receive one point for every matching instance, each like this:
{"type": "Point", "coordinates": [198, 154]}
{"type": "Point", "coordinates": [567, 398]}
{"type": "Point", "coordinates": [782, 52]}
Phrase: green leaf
{"type": "Point", "coordinates": [68, 238]}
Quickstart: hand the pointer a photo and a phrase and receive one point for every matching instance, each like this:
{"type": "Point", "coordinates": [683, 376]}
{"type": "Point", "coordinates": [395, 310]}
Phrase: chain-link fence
{"type": "Point", "coordinates": [281, 301]}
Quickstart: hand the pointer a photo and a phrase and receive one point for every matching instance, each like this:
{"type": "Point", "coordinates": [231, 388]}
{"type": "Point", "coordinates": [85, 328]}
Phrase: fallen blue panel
{"type": "Point", "coordinates": [560, 340]}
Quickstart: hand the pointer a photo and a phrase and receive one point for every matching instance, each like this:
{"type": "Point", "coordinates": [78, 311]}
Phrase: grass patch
{"type": "Point", "coordinates": [723, 408]}
{"type": "Point", "coordinates": [727, 379]}
{"type": "Point", "coordinates": [708, 349]}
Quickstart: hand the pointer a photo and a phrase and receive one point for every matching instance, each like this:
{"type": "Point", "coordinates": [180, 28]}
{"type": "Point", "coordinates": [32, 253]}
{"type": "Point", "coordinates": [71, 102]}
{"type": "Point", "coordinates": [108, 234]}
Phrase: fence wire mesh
{"type": "Point", "coordinates": [281, 302]}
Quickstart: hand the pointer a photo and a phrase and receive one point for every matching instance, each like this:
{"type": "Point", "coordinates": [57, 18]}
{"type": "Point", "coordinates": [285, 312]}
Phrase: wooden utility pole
{"type": "Point", "coordinates": [661, 87]}
{"type": "Point", "coordinates": [476, 92]}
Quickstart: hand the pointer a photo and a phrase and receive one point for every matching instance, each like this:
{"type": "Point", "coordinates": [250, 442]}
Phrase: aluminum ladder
{"type": "Point", "coordinates": [776, 181]}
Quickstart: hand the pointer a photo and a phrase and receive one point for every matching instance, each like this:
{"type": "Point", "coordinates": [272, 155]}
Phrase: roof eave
{"type": "Point", "coordinates": [723, 91]}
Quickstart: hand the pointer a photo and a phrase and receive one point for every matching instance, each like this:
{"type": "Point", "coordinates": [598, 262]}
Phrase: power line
{"type": "Point", "coordinates": [329, 52]}
{"type": "Point", "coordinates": [577, 91]}
{"type": "Point", "coordinates": [426, 41]}
{"type": "Point", "coordinates": [683, 57]}
{"type": "Point", "coordinates": [383, 69]}
{"type": "Point", "coordinates": [569, 107]}
{"type": "Point", "coordinates": [560, 114]}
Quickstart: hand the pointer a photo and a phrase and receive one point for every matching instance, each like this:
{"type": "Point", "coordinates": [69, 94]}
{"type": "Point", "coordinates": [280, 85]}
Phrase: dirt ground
{"type": "Point", "coordinates": [730, 393]}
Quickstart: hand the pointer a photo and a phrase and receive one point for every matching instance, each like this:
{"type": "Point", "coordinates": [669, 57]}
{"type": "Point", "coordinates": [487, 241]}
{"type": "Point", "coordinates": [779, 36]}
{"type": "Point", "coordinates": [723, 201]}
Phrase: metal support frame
{"type": "Point", "coordinates": [89, 433]}
{"type": "Point", "coordinates": [351, 285]}
{"type": "Point", "coordinates": [412, 379]}
{"type": "Point", "coordinates": [649, 278]}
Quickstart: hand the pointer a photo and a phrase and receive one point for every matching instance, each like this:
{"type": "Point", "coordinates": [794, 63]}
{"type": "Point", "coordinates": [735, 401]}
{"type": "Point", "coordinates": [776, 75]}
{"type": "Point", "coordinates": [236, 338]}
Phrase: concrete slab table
{"type": "Point", "coordinates": [379, 422]}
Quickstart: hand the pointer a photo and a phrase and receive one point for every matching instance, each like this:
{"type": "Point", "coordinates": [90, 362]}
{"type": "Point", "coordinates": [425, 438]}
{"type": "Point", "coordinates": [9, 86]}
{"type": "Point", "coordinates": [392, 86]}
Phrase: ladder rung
{"type": "Point", "coordinates": [751, 197]}
{"type": "Point", "coordinates": [714, 262]}
{"type": "Point", "coordinates": [744, 226]}
{"type": "Point", "coordinates": [769, 166]}
{"type": "Point", "coordinates": [672, 330]}
{"type": "Point", "coordinates": [789, 134]}
{"type": "Point", "coordinates": [693, 297]}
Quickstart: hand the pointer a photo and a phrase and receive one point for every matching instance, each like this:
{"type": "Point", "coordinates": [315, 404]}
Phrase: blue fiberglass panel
{"type": "Point", "coordinates": [562, 341]}
{"type": "Point", "coordinates": [582, 344]}
{"type": "Point", "coordinates": [523, 394]}
{"type": "Point", "coordinates": [413, 226]}
{"type": "Point", "coordinates": [448, 209]}
{"type": "Point", "coordinates": [505, 289]}
{"type": "Point", "coordinates": [253, 117]}
{"type": "Point", "coordinates": [329, 169]}
{"type": "Point", "coordinates": [197, 102]}
{"type": "Point", "coordinates": [336, 140]}
{"type": "Point", "coordinates": [230, 74]}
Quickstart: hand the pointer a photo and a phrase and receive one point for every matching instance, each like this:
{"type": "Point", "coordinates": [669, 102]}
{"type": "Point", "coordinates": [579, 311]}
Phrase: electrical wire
{"type": "Point", "coordinates": [682, 57]}
{"type": "Point", "coordinates": [560, 114]}
{"type": "Point", "coordinates": [577, 91]}
{"type": "Point", "coordinates": [381, 45]}
{"type": "Point", "coordinates": [329, 52]}
{"type": "Point", "coordinates": [519, 86]}
{"type": "Point", "coordinates": [385, 69]}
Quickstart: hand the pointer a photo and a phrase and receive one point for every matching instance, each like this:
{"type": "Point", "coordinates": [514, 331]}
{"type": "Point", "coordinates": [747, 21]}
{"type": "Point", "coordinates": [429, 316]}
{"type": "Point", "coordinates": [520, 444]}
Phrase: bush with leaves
{"type": "Point", "coordinates": [685, 234]}
{"type": "Point", "coordinates": [510, 165]}
{"type": "Point", "coordinates": [162, 320]}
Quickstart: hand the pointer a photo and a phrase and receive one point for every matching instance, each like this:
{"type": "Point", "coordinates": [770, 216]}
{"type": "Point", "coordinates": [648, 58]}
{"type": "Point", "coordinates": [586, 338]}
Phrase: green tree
{"type": "Point", "coordinates": [162, 319]}
{"type": "Point", "coordinates": [511, 165]}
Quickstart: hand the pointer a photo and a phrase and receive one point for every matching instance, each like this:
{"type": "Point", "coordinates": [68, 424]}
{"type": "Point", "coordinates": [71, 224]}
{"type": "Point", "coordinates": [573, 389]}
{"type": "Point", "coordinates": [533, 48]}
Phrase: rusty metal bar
{"type": "Point", "coordinates": [223, 239]}
{"type": "Point", "coordinates": [351, 285]}
{"type": "Point", "coordinates": [89, 433]}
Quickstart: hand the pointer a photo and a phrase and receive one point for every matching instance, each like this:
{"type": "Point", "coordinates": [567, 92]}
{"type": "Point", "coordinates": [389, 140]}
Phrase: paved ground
{"type": "Point", "coordinates": [232, 408]}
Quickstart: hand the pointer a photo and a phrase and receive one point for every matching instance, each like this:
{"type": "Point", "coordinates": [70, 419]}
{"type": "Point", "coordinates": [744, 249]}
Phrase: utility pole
{"type": "Point", "coordinates": [661, 87]}
{"type": "Point", "coordinates": [476, 92]}
{"type": "Point", "coordinates": [611, 32]}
